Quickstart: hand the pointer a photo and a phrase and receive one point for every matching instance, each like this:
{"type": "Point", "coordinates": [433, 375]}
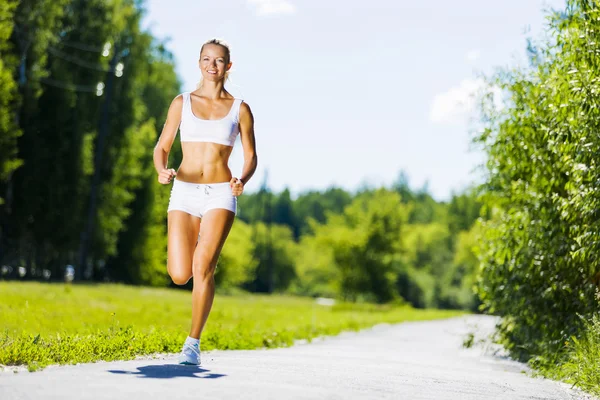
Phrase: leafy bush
{"type": "Point", "coordinates": [541, 246]}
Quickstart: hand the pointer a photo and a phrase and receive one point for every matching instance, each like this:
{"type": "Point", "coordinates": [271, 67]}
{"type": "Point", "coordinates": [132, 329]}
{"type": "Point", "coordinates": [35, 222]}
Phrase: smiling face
{"type": "Point", "coordinates": [214, 62]}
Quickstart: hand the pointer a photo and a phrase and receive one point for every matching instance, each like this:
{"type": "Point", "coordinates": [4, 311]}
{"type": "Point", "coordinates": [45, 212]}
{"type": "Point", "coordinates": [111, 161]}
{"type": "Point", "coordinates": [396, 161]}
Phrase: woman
{"type": "Point", "coordinates": [203, 201]}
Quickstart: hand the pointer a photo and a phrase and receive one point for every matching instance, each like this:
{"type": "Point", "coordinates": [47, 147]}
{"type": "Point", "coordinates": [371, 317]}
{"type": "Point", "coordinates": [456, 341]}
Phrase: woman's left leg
{"type": "Point", "coordinates": [215, 226]}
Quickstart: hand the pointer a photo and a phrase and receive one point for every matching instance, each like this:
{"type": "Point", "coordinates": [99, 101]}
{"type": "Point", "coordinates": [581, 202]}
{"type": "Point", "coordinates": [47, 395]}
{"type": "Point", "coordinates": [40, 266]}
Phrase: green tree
{"type": "Point", "coordinates": [142, 245]}
{"type": "Point", "coordinates": [257, 207]}
{"type": "Point", "coordinates": [463, 211]}
{"type": "Point", "coordinates": [366, 246]}
{"type": "Point", "coordinates": [9, 131]}
{"type": "Point", "coordinates": [283, 212]}
{"type": "Point", "coordinates": [457, 289]}
{"type": "Point", "coordinates": [60, 51]}
{"type": "Point", "coordinates": [428, 256]}
{"type": "Point", "coordinates": [316, 272]}
{"type": "Point", "coordinates": [131, 133]}
{"type": "Point", "coordinates": [423, 207]}
{"type": "Point", "coordinates": [237, 262]}
{"type": "Point", "coordinates": [55, 109]}
{"type": "Point", "coordinates": [275, 251]}
{"type": "Point", "coordinates": [315, 205]}
{"type": "Point", "coordinates": [540, 245]}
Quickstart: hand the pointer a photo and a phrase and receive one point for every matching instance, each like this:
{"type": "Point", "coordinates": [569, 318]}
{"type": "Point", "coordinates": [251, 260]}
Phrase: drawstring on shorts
{"type": "Point", "coordinates": [206, 187]}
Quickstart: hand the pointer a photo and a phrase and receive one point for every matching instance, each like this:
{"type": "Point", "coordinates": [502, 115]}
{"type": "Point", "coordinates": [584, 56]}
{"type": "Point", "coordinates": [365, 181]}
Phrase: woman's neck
{"type": "Point", "coordinates": [212, 90]}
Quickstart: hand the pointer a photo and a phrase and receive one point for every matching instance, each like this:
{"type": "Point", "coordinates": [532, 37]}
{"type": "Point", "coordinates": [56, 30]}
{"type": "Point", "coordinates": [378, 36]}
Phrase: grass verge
{"type": "Point", "coordinates": [44, 324]}
{"type": "Point", "coordinates": [579, 360]}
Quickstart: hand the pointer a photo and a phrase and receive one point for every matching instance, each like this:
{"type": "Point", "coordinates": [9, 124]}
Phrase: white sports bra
{"type": "Point", "coordinates": [222, 131]}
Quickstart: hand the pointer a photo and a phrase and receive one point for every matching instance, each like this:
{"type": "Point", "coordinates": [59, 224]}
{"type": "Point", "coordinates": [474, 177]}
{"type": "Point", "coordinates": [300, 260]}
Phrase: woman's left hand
{"type": "Point", "coordinates": [237, 186]}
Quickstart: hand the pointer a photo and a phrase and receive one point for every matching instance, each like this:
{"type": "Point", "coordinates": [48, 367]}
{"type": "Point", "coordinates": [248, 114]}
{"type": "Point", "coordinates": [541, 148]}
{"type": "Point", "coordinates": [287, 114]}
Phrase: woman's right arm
{"type": "Point", "coordinates": [165, 141]}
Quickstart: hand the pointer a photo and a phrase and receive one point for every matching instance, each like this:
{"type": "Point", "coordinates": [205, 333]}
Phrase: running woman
{"type": "Point", "coordinates": [203, 202]}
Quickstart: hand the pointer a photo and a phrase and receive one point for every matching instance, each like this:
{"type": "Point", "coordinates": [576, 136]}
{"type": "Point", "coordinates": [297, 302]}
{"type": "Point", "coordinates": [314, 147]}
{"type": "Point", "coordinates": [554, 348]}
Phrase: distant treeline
{"type": "Point", "coordinates": [377, 245]}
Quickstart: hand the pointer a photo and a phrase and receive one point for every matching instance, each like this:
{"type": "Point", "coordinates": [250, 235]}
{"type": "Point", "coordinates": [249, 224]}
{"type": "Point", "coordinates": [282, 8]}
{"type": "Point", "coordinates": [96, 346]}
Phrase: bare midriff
{"type": "Point", "coordinates": [204, 162]}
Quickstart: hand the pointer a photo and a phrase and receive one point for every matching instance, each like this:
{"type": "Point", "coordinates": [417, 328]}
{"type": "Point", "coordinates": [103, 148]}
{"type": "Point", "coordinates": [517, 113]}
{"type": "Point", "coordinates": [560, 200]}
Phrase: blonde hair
{"type": "Point", "coordinates": [225, 45]}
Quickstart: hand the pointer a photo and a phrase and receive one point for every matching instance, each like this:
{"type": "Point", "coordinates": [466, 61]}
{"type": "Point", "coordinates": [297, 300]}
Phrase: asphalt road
{"type": "Point", "coordinates": [412, 360]}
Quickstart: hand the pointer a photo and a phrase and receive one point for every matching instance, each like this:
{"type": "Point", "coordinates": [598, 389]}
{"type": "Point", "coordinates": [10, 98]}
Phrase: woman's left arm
{"type": "Point", "coordinates": [248, 142]}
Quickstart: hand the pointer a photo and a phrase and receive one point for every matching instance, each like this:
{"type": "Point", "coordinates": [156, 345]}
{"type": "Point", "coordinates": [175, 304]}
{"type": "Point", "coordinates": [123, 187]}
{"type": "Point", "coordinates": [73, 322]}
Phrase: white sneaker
{"type": "Point", "coordinates": [190, 354]}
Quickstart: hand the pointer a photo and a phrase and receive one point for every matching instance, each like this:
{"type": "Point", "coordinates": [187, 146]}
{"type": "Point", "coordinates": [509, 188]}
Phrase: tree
{"type": "Point", "coordinates": [54, 115]}
{"type": "Point", "coordinates": [283, 212]}
{"type": "Point", "coordinates": [316, 205]}
{"type": "Point", "coordinates": [540, 247]}
{"type": "Point", "coordinates": [9, 131]}
{"type": "Point", "coordinates": [237, 262]}
{"type": "Point", "coordinates": [141, 255]}
{"type": "Point", "coordinates": [365, 244]}
{"type": "Point", "coordinates": [458, 287]}
{"type": "Point", "coordinates": [62, 52]}
{"type": "Point", "coordinates": [275, 251]}
{"type": "Point", "coordinates": [316, 272]}
{"type": "Point", "coordinates": [463, 211]}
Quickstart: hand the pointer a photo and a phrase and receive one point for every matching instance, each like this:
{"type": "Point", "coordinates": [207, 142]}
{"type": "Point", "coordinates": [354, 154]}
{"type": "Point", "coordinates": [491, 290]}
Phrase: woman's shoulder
{"type": "Point", "coordinates": [243, 104]}
{"type": "Point", "coordinates": [178, 100]}
{"type": "Point", "coordinates": [176, 103]}
{"type": "Point", "coordinates": [180, 96]}
{"type": "Point", "coordinates": [245, 110]}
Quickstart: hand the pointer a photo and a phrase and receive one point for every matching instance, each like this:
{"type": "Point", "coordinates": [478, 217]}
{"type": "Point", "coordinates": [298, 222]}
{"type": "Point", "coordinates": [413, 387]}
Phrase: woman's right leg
{"type": "Point", "coordinates": [182, 232]}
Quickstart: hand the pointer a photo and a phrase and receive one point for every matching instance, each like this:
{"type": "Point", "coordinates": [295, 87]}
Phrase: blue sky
{"type": "Point", "coordinates": [349, 93]}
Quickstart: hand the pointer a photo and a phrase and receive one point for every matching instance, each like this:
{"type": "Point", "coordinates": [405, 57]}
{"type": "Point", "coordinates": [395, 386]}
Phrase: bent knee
{"type": "Point", "coordinates": [179, 278]}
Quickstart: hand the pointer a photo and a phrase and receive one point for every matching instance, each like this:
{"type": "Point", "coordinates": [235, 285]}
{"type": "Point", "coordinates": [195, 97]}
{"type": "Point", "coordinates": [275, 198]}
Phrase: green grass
{"type": "Point", "coordinates": [579, 360]}
{"type": "Point", "coordinates": [42, 324]}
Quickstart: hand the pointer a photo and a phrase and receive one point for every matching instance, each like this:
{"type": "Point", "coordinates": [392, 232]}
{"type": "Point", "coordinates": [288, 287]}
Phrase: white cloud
{"type": "Point", "coordinates": [457, 103]}
{"type": "Point", "coordinates": [273, 7]}
{"type": "Point", "coordinates": [473, 55]}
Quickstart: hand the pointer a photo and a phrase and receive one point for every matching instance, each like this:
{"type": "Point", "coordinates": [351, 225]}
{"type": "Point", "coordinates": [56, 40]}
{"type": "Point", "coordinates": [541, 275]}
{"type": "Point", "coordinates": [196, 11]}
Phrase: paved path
{"type": "Point", "coordinates": [412, 360]}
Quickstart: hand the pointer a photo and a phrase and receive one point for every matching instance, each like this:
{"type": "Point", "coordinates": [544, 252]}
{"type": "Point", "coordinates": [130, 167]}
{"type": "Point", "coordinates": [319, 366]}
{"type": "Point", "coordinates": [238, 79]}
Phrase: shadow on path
{"type": "Point", "coordinates": [168, 371]}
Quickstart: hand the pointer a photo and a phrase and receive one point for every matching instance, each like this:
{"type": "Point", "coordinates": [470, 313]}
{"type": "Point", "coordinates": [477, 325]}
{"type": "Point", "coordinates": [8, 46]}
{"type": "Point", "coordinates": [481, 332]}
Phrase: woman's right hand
{"type": "Point", "coordinates": [166, 175]}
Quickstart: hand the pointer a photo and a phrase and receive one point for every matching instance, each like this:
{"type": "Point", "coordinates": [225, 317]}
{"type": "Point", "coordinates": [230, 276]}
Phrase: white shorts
{"type": "Point", "coordinates": [197, 198]}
